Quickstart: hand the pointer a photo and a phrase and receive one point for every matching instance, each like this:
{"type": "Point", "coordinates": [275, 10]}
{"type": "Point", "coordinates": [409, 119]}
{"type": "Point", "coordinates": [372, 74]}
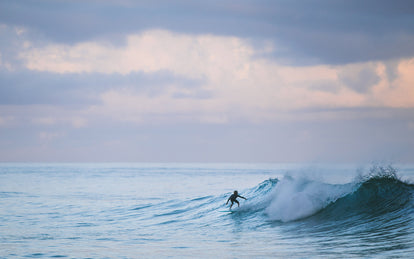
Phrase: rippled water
{"type": "Point", "coordinates": [178, 210]}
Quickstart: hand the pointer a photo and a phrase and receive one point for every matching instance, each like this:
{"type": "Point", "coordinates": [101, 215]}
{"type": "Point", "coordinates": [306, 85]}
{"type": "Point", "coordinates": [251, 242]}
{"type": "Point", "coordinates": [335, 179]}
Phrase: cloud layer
{"type": "Point", "coordinates": [222, 78]}
{"type": "Point", "coordinates": [312, 31]}
{"type": "Point", "coordinates": [185, 81]}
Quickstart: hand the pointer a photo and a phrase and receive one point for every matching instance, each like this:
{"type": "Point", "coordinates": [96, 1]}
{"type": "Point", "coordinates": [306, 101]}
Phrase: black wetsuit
{"type": "Point", "coordinates": [233, 198]}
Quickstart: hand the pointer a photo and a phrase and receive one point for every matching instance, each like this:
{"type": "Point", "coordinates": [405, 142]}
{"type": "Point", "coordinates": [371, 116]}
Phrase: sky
{"type": "Point", "coordinates": [273, 81]}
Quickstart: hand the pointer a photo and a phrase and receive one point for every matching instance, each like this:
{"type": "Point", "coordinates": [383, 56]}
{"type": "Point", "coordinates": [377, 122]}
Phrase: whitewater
{"type": "Point", "coordinates": [179, 211]}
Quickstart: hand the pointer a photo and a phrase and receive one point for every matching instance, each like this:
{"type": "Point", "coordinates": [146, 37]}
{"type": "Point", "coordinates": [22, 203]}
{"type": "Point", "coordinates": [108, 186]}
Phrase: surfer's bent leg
{"type": "Point", "coordinates": [238, 204]}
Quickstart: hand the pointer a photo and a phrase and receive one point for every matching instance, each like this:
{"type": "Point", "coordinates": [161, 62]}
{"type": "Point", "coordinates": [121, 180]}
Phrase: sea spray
{"type": "Point", "coordinates": [297, 198]}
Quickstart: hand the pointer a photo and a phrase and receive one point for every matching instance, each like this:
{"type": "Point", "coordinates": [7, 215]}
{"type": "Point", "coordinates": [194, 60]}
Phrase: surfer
{"type": "Point", "coordinates": [233, 199]}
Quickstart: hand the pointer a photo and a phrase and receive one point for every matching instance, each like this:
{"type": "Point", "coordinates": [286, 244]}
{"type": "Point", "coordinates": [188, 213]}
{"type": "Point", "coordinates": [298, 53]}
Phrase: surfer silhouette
{"type": "Point", "coordinates": [233, 199]}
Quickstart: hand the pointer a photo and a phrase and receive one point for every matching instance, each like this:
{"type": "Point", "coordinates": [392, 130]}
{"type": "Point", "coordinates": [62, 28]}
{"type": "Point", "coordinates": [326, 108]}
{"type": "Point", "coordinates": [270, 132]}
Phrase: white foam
{"type": "Point", "coordinates": [293, 199]}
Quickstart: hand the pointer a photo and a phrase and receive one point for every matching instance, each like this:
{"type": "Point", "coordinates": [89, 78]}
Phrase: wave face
{"type": "Point", "coordinates": [376, 196]}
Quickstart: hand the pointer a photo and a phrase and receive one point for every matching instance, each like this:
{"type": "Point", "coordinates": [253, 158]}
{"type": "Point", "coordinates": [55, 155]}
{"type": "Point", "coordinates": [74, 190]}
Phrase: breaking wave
{"type": "Point", "coordinates": [289, 199]}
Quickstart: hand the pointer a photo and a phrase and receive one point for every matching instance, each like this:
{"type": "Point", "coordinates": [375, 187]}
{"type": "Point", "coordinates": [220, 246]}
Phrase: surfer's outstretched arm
{"type": "Point", "coordinates": [242, 197]}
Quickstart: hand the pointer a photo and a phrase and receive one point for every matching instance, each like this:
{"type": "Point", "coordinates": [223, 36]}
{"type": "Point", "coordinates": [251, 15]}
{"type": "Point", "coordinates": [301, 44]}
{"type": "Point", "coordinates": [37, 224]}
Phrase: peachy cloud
{"type": "Point", "coordinates": [238, 81]}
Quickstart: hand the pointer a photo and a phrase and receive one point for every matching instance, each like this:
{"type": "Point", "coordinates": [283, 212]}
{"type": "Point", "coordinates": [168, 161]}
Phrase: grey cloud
{"type": "Point", "coordinates": [315, 31]}
{"type": "Point", "coordinates": [10, 46]}
{"type": "Point", "coordinates": [359, 79]}
{"type": "Point", "coordinates": [391, 69]}
{"type": "Point", "coordinates": [23, 88]}
{"type": "Point", "coordinates": [326, 86]}
{"type": "Point", "coordinates": [29, 87]}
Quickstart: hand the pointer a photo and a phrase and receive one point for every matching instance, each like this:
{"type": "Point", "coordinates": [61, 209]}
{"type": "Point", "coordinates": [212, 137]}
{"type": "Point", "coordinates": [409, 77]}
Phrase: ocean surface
{"type": "Point", "coordinates": [179, 211]}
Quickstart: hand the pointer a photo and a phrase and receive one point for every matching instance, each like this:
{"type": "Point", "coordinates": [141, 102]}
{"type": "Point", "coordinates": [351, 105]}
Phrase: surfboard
{"type": "Point", "coordinates": [226, 211]}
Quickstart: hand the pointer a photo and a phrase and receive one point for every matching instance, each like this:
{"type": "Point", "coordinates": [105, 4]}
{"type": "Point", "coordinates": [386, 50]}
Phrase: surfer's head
{"type": "Point", "coordinates": [235, 192]}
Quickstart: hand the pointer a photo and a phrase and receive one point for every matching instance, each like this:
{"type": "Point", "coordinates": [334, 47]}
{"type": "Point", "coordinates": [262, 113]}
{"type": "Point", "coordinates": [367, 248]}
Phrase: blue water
{"type": "Point", "coordinates": [178, 210]}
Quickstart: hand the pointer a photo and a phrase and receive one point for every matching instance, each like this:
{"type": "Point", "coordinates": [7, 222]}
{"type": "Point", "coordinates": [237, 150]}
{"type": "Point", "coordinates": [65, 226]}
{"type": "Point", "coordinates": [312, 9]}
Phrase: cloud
{"type": "Point", "coordinates": [361, 77]}
{"type": "Point", "coordinates": [164, 75]}
{"type": "Point", "coordinates": [150, 51]}
{"type": "Point", "coordinates": [310, 32]}
{"type": "Point", "coordinates": [25, 87]}
{"type": "Point", "coordinates": [206, 81]}
{"type": "Point", "coordinates": [399, 92]}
